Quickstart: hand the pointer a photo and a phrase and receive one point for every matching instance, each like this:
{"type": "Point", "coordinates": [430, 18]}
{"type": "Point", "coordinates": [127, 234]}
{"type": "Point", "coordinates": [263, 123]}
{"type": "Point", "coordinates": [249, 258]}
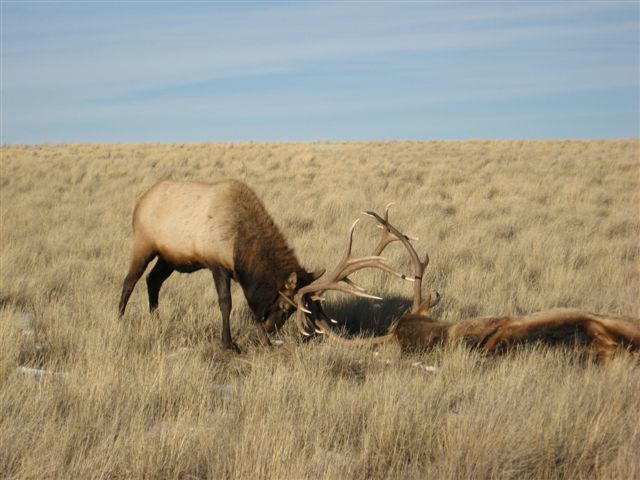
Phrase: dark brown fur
{"type": "Point", "coordinates": [262, 258]}
{"type": "Point", "coordinates": [599, 335]}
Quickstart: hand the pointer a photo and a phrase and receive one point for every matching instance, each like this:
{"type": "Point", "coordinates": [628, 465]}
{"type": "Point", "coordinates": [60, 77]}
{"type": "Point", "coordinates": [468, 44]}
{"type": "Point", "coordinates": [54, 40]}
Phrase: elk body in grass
{"type": "Point", "coordinates": [224, 227]}
{"type": "Point", "coordinates": [599, 335]}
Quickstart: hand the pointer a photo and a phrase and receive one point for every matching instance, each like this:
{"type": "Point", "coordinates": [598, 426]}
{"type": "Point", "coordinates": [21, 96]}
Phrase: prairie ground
{"type": "Point", "coordinates": [510, 227]}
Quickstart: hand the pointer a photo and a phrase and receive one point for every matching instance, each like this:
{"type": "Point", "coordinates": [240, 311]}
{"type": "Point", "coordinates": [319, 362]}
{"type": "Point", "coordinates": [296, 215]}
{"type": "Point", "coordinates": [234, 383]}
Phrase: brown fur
{"type": "Point", "coordinates": [600, 335]}
{"type": "Point", "coordinates": [222, 226]}
{"type": "Point", "coordinates": [259, 247]}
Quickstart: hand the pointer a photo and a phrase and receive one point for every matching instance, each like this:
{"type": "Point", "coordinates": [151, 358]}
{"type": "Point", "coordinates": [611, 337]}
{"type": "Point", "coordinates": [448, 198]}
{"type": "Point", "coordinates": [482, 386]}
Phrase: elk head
{"type": "Point", "coordinates": [283, 305]}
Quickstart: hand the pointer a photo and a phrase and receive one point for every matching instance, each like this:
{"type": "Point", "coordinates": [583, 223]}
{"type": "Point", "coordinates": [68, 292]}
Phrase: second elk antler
{"type": "Point", "coordinates": [338, 280]}
{"type": "Point", "coordinates": [390, 234]}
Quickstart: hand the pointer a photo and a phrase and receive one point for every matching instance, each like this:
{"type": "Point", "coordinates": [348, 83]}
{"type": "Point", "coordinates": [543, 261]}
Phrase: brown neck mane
{"type": "Point", "coordinates": [262, 258]}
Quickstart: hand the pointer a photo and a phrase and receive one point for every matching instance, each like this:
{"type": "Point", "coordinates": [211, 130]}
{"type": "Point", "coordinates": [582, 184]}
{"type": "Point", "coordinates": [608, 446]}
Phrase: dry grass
{"type": "Point", "coordinates": [511, 227]}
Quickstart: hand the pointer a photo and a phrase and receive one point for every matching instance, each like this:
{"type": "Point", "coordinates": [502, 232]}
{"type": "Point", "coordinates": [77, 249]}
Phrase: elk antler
{"type": "Point", "coordinates": [338, 280]}
{"type": "Point", "coordinates": [390, 234]}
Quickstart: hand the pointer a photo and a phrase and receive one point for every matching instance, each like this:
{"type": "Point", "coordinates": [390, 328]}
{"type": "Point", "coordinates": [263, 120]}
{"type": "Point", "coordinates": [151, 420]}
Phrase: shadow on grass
{"type": "Point", "coordinates": [363, 316]}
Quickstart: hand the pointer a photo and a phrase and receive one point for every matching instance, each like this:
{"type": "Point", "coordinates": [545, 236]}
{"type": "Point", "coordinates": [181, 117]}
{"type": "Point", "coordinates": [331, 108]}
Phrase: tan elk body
{"type": "Point", "coordinates": [187, 223]}
{"type": "Point", "coordinates": [221, 226]}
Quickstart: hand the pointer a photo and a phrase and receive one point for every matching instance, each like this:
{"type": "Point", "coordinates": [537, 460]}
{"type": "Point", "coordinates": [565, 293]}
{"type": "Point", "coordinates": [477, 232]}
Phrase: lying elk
{"type": "Point", "coordinates": [601, 335]}
{"type": "Point", "coordinates": [224, 227]}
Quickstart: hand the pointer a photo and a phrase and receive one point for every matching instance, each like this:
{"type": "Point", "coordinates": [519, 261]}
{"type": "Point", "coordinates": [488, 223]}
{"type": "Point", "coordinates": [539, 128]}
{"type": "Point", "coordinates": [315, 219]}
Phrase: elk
{"type": "Point", "coordinates": [222, 226]}
{"type": "Point", "coordinates": [600, 335]}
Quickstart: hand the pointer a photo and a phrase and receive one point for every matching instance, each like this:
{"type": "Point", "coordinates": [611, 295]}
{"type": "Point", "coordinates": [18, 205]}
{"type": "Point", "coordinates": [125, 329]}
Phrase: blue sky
{"type": "Point", "coordinates": [222, 71]}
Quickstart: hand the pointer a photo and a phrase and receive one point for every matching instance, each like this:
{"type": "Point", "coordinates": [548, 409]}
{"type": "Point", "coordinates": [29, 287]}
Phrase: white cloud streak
{"type": "Point", "coordinates": [61, 63]}
{"type": "Point", "coordinates": [147, 56]}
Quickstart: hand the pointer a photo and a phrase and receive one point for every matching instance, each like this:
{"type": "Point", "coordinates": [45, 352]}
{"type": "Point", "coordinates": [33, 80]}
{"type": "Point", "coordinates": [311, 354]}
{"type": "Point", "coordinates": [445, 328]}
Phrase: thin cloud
{"type": "Point", "coordinates": [276, 60]}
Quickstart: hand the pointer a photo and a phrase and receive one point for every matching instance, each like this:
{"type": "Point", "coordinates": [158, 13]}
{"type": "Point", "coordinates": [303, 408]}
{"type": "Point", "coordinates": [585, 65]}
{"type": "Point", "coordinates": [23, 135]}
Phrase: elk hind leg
{"type": "Point", "coordinates": [160, 272]}
{"type": "Point", "coordinates": [139, 261]}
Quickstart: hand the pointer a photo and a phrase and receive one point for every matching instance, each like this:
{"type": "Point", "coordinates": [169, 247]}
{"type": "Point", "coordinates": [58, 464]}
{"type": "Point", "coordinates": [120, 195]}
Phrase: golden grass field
{"type": "Point", "coordinates": [510, 226]}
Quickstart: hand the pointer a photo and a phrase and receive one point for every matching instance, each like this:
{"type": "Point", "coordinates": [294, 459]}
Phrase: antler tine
{"type": "Point", "coordinates": [419, 266]}
{"type": "Point", "coordinates": [301, 321]}
{"type": "Point", "coordinates": [318, 288]}
{"type": "Point", "coordinates": [387, 237]}
{"type": "Point", "coordinates": [347, 254]}
{"type": "Point", "coordinates": [386, 210]}
{"type": "Point", "coordinates": [372, 262]}
{"type": "Point", "coordinates": [353, 284]}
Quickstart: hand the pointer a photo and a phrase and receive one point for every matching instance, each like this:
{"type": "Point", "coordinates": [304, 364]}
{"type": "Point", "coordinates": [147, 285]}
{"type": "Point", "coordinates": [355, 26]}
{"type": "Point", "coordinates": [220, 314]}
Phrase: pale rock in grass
{"type": "Point", "coordinates": [38, 374]}
{"type": "Point", "coordinates": [421, 367]}
{"type": "Point", "coordinates": [24, 323]}
{"type": "Point", "coordinates": [225, 392]}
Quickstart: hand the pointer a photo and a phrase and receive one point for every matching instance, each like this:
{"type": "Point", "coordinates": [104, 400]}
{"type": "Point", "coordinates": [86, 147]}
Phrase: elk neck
{"type": "Point", "coordinates": [262, 258]}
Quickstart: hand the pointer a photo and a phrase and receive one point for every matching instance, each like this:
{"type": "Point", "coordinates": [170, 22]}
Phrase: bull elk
{"type": "Point", "coordinates": [224, 227]}
{"type": "Point", "coordinates": [600, 335]}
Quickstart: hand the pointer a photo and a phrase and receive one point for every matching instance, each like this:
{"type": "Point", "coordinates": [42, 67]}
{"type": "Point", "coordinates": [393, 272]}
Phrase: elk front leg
{"type": "Point", "coordinates": [222, 280]}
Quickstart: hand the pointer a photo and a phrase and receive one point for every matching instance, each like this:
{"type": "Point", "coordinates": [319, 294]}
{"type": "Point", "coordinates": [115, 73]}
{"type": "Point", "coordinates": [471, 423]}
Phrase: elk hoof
{"type": "Point", "coordinates": [231, 346]}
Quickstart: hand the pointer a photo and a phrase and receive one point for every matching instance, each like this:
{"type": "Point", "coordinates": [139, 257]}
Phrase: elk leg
{"type": "Point", "coordinates": [222, 280]}
{"type": "Point", "coordinates": [160, 272]}
{"type": "Point", "coordinates": [136, 269]}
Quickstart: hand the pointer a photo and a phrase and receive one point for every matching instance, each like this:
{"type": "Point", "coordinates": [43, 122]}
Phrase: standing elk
{"type": "Point", "coordinates": [224, 227]}
{"type": "Point", "coordinates": [600, 335]}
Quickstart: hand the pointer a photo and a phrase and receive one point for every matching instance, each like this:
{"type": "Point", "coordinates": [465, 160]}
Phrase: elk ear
{"type": "Point", "coordinates": [291, 283]}
{"type": "Point", "coordinates": [317, 274]}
